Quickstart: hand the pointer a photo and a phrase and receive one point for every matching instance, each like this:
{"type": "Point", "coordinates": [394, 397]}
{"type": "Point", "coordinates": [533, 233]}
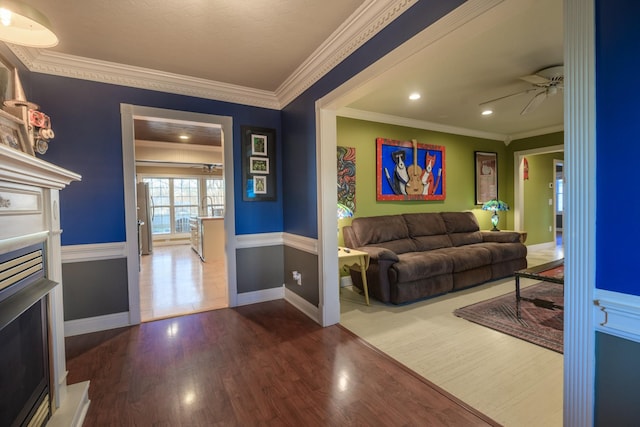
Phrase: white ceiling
{"type": "Point", "coordinates": [261, 44]}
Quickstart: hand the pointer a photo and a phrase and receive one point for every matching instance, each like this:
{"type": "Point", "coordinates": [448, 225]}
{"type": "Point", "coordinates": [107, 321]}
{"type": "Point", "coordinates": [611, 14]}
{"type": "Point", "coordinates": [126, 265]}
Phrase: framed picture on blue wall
{"type": "Point", "coordinates": [258, 164]}
{"type": "Point", "coordinates": [409, 170]}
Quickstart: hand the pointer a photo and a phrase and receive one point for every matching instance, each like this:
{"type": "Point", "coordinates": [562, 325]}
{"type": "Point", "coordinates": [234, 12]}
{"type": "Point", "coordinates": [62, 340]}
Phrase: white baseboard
{"type": "Point", "coordinates": [303, 305]}
{"type": "Point", "coordinates": [542, 246]}
{"type": "Point", "coordinates": [345, 281]}
{"type": "Point", "coordinates": [96, 324]}
{"type": "Point", "coordinates": [617, 314]}
{"type": "Point", "coordinates": [265, 295]}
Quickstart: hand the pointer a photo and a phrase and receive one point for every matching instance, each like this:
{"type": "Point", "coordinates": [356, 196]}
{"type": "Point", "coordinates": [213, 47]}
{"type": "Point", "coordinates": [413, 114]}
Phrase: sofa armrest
{"type": "Point", "coordinates": [501, 236]}
{"type": "Point", "coordinates": [378, 254]}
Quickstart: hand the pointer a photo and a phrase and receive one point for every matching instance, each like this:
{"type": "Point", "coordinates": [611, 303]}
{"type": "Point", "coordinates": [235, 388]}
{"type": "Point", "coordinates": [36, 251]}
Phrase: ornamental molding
{"type": "Point", "coordinates": [368, 20]}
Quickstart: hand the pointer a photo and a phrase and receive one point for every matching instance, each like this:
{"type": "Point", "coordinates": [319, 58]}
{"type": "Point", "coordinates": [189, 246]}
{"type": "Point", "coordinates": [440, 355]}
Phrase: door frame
{"type": "Point", "coordinates": [127, 113]}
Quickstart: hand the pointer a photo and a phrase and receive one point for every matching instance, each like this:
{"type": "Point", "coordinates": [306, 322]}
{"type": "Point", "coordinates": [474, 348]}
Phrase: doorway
{"type": "Point", "coordinates": [176, 235]}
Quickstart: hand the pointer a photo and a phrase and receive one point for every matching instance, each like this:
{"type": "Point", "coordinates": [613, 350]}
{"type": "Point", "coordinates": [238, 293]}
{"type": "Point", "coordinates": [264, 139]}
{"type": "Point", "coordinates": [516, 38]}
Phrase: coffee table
{"type": "Point", "coordinates": [549, 272]}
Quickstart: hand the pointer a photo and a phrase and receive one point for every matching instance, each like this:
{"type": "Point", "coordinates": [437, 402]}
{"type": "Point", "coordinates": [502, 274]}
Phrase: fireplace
{"type": "Point", "coordinates": [24, 359]}
{"type": "Point", "coordinates": [33, 373]}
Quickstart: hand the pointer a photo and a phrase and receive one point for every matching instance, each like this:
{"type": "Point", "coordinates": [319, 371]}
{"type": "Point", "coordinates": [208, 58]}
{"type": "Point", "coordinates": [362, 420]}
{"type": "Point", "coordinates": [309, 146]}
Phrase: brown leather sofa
{"type": "Point", "coordinates": [414, 256]}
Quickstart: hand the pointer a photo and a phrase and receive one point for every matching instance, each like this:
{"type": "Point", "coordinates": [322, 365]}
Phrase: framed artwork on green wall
{"type": "Point", "coordinates": [409, 170]}
{"type": "Point", "coordinates": [486, 176]}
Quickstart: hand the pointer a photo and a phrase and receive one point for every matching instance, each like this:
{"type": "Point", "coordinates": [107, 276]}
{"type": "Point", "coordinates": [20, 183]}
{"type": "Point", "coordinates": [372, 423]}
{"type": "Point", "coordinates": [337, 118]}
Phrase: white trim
{"type": "Point", "coordinates": [263, 295]}
{"type": "Point", "coordinates": [541, 246]}
{"type": "Point", "coordinates": [367, 21]}
{"type": "Point", "coordinates": [305, 244]}
{"type": "Point", "coordinates": [303, 305]}
{"type": "Point", "coordinates": [417, 124]}
{"type": "Point", "coordinates": [97, 324]}
{"type": "Point", "coordinates": [326, 113]}
{"type": "Point", "coordinates": [580, 238]}
{"type": "Point", "coordinates": [259, 240]}
{"type": "Point", "coordinates": [617, 314]}
{"type": "Point", "coordinates": [537, 132]}
{"type": "Point", "coordinates": [60, 64]}
{"type": "Point", "coordinates": [127, 113]}
{"type": "Point", "coordinates": [93, 252]}
{"type": "Point", "coordinates": [518, 182]}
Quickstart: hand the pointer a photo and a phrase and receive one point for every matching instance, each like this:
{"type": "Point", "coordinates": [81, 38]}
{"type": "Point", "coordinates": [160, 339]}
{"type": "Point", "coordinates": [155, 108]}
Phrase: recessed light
{"type": "Point", "coordinates": [184, 137]}
{"type": "Point", "coordinates": [414, 96]}
{"type": "Point", "coordinates": [487, 112]}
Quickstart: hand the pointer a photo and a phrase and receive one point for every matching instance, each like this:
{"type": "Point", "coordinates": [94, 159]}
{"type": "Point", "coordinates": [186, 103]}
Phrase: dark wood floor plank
{"type": "Point", "coordinates": [263, 364]}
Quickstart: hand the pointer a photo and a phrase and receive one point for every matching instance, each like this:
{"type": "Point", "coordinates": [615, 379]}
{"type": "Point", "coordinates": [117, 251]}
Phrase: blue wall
{"type": "Point", "coordinates": [617, 150]}
{"type": "Point", "coordinates": [298, 118]}
{"type": "Point", "coordinates": [86, 119]}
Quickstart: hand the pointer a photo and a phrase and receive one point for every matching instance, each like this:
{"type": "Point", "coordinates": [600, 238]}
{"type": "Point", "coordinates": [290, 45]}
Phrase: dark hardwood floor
{"type": "Point", "coordinates": [262, 364]}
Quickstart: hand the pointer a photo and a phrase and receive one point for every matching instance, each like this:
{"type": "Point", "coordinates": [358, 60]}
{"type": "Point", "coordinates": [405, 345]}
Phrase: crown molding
{"type": "Point", "coordinates": [537, 132]}
{"type": "Point", "coordinates": [367, 21]}
{"type": "Point", "coordinates": [59, 64]}
{"type": "Point", "coordinates": [371, 17]}
{"type": "Point", "coordinates": [353, 113]}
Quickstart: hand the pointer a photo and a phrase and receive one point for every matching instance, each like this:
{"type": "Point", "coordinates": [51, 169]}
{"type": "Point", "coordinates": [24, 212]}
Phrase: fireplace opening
{"type": "Point", "coordinates": [24, 338]}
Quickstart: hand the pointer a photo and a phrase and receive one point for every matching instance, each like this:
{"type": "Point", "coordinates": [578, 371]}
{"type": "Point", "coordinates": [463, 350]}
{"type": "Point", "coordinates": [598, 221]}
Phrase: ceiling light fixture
{"type": "Point", "coordinates": [184, 137]}
{"type": "Point", "coordinates": [24, 25]}
{"type": "Point", "coordinates": [487, 112]}
{"type": "Point", "coordinates": [414, 96]}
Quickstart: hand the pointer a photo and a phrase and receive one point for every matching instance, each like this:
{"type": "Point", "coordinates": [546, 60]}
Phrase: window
{"type": "Point", "coordinates": [559, 195]}
{"type": "Point", "coordinates": [173, 202]}
{"type": "Point", "coordinates": [215, 196]}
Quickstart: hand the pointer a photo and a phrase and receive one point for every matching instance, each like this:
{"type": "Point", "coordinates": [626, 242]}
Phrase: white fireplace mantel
{"type": "Point", "coordinates": [29, 214]}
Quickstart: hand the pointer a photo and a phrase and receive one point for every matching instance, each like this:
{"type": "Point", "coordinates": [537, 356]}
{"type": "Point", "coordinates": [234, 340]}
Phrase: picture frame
{"type": "Point", "coordinates": [13, 133]}
{"type": "Point", "coordinates": [259, 145]}
{"type": "Point", "coordinates": [259, 171]}
{"type": "Point", "coordinates": [394, 160]}
{"type": "Point", "coordinates": [260, 184]}
{"type": "Point", "coordinates": [258, 165]}
{"type": "Point", "coordinates": [486, 176]}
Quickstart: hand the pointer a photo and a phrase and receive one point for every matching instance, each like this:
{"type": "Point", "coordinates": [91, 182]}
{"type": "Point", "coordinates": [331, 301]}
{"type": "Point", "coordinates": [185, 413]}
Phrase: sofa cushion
{"type": "Point", "coordinates": [420, 265]}
{"type": "Point", "coordinates": [467, 257]}
{"type": "Point", "coordinates": [428, 230]}
{"type": "Point", "coordinates": [501, 252]}
{"type": "Point", "coordinates": [388, 232]}
{"type": "Point", "coordinates": [462, 227]}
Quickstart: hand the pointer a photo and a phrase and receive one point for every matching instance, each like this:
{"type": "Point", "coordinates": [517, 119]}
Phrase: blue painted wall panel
{"type": "Point", "coordinates": [617, 148]}
{"type": "Point", "coordinates": [86, 118]}
{"type": "Point", "coordinates": [298, 119]}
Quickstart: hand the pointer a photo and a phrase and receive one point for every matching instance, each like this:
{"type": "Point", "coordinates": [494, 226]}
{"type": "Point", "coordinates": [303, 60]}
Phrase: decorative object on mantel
{"type": "Point", "coordinates": [39, 124]}
{"type": "Point", "coordinates": [258, 164]}
{"type": "Point", "coordinates": [495, 205]}
{"type": "Point", "coordinates": [25, 25]}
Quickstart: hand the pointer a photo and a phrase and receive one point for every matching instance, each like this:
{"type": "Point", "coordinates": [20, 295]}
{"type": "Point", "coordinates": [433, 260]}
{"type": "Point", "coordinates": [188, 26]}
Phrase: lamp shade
{"type": "Point", "coordinates": [495, 205]}
{"type": "Point", "coordinates": [24, 25]}
{"type": "Point", "coordinates": [344, 211]}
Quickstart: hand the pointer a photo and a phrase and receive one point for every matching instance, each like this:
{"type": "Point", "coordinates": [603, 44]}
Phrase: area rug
{"type": "Point", "coordinates": [537, 324]}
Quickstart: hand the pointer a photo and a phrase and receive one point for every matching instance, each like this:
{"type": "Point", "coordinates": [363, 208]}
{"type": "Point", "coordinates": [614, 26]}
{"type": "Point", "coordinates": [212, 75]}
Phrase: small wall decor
{"type": "Point", "coordinates": [13, 133]}
{"type": "Point", "coordinates": [258, 163]}
{"type": "Point", "coordinates": [347, 177]}
{"type": "Point", "coordinates": [486, 173]}
{"type": "Point", "coordinates": [409, 170]}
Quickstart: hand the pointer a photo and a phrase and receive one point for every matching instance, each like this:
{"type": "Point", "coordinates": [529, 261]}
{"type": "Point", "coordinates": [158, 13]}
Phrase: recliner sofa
{"type": "Point", "coordinates": [414, 256]}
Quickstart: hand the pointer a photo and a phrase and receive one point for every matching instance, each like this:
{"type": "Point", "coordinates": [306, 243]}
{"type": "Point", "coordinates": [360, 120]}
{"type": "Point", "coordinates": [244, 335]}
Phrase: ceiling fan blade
{"type": "Point", "coordinates": [535, 102]}
{"type": "Point", "coordinates": [506, 96]}
{"type": "Point", "coordinates": [535, 79]}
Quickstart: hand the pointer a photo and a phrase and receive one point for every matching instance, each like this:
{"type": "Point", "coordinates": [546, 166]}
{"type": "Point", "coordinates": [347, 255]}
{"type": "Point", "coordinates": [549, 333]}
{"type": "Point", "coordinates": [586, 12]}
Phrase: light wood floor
{"type": "Point", "coordinates": [512, 381]}
{"type": "Point", "coordinates": [174, 281]}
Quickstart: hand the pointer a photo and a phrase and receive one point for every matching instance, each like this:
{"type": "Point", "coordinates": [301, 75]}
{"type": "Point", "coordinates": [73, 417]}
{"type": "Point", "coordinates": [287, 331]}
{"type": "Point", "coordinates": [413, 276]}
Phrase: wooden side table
{"type": "Point", "coordinates": [358, 260]}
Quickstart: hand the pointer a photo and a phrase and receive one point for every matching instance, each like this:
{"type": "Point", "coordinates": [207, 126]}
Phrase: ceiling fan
{"type": "Point", "coordinates": [545, 82]}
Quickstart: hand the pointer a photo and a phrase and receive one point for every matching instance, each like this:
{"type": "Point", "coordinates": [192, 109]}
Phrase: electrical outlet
{"type": "Point", "coordinates": [297, 277]}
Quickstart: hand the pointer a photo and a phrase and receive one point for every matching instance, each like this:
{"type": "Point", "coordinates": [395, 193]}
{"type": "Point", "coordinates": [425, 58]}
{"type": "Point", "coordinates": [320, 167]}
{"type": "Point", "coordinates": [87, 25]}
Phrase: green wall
{"type": "Point", "coordinates": [459, 163]}
{"type": "Point", "coordinates": [538, 215]}
{"type": "Point", "coordinates": [460, 184]}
